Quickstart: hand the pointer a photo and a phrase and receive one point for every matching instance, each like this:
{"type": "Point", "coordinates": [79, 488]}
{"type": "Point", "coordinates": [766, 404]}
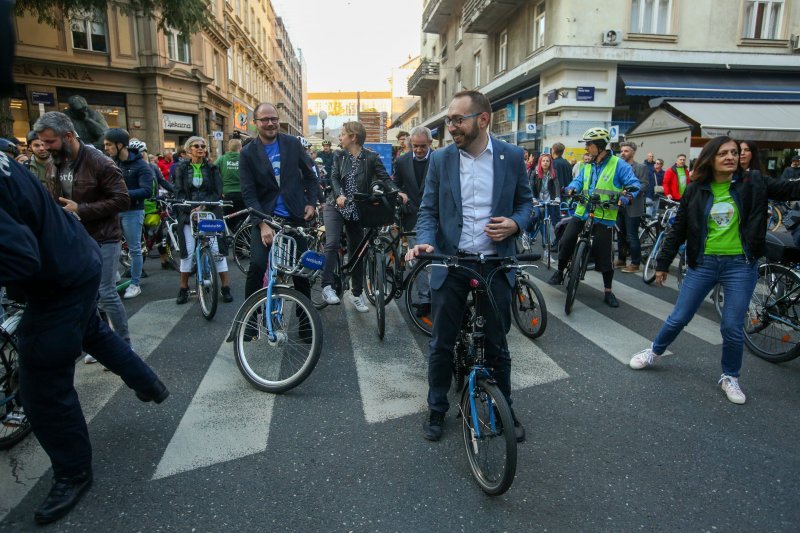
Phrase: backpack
{"type": "Point", "coordinates": [151, 215]}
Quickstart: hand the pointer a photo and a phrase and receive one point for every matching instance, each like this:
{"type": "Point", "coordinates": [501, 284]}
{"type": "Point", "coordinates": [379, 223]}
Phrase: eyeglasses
{"type": "Point", "coordinates": [267, 120]}
{"type": "Point", "coordinates": [199, 146]}
{"type": "Point", "coordinates": [457, 121]}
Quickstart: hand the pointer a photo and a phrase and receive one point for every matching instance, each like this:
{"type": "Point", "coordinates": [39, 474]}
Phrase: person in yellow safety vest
{"type": "Point", "coordinates": [609, 176]}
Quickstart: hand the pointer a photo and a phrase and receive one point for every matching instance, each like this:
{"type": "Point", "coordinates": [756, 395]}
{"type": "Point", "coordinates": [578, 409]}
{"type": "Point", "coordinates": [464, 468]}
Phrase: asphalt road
{"type": "Point", "coordinates": [608, 449]}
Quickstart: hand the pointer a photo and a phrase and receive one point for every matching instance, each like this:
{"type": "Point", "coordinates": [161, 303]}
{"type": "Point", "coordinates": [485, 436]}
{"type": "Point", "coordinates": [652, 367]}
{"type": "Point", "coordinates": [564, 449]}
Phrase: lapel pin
{"type": "Point", "coordinates": [502, 156]}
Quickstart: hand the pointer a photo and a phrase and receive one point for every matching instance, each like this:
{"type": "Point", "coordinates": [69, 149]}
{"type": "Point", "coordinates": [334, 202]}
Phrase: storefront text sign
{"type": "Point", "coordinates": [50, 71]}
{"type": "Point", "coordinates": [175, 122]}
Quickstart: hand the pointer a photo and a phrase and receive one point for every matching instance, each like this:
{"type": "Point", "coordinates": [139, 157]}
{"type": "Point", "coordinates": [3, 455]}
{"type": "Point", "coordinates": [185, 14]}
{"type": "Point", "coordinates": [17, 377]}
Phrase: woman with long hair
{"type": "Point", "coordinates": [749, 158]}
{"type": "Point", "coordinates": [545, 189]}
{"type": "Point", "coordinates": [721, 220]}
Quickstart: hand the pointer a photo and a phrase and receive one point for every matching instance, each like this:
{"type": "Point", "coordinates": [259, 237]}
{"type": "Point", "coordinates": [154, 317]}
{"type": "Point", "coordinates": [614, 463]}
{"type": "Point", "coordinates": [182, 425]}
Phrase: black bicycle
{"type": "Point", "coordinates": [487, 422]}
{"type": "Point", "coordinates": [14, 424]}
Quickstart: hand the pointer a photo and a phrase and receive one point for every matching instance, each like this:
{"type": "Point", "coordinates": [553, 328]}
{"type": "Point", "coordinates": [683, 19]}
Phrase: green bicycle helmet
{"type": "Point", "coordinates": [596, 134]}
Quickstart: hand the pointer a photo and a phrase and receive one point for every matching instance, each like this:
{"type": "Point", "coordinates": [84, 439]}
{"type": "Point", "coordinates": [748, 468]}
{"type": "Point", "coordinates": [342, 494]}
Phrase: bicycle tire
{"type": "Point", "coordinates": [528, 307]}
{"type": "Point", "coordinates": [241, 246]}
{"type": "Point", "coordinates": [548, 252]}
{"type": "Point", "coordinates": [576, 267]}
{"type": "Point", "coordinates": [380, 293]}
{"type": "Point", "coordinates": [14, 424]}
{"type": "Point", "coordinates": [207, 283]}
{"type": "Point", "coordinates": [648, 236]}
{"type": "Point", "coordinates": [718, 295]}
{"type": "Point", "coordinates": [172, 261]}
{"type": "Point", "coordinates": [649, 272]}
{"type": "Point", "coordinates": [766, 337]}
{"type": "Point", "coordinates": [775, 219]}
{"type": "Point", "coordinates": [280, 365]}
{"type": "Point", "coordinates": [681, 268]}
{"type": "Point", "coordinates": [493, 456]}
{"type": "Point", "coordinates": [413, 299]}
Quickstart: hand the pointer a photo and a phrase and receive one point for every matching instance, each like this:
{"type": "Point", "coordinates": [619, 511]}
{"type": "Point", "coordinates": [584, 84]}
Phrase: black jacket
{"type": "Point", "coordinates": [562, 170]}
{"type": "Point", "coordinates": [406, 181]}
{"type": "Point", "coordinates": [299, 184]}
{"type": "Point", "coordinates": [750, 191]}
{"type": "Point", "coordinates": [370, 169]}
{"type": "Point", "coordinates": [210, 191]}
{"type": "Point", "coordinates": [138, 178]}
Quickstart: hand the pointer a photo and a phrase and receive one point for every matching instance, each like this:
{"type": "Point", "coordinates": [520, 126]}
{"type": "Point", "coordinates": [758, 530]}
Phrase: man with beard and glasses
{"type": "Point", "coordinates": [476, 201]}
{"type": "Point", "coordinates": [88, 184]}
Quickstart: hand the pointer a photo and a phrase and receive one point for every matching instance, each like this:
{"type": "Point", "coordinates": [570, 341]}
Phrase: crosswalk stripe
{"type": "Point", "coordinates": [210, 431]}
{"type": "Point", "coordinates": [700, 327]}
{"type": "Point", "coordinates": [393, 380]}
{"type": "Point", "coordinates": [605, 332]}
{"type": "Point", "coordinates": [530, 366]}
{"type": "Point", "coordinates": [27, 462]}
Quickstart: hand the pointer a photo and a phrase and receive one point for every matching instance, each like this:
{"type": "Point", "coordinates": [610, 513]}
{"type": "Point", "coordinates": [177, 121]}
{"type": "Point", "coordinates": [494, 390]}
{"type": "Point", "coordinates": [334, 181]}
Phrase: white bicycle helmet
{"type": "Point", "coordinates": [137, 146]}
{"type": "Point", "coordinates": [596, 134]}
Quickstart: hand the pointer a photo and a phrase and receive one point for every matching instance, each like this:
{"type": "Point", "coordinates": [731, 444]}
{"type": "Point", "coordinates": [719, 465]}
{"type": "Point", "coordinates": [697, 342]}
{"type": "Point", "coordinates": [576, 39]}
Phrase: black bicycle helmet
{"type": "Point", "coordinates": [9, 147]}
{"type": "Point", "coordinates": [32, 136]}
{"type": "Point", "coordinates": [117, 136]}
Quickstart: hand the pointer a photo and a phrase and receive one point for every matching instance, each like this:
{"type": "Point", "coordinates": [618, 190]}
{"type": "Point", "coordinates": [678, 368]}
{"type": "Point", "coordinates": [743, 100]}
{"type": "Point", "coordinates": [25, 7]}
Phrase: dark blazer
{"type": "Point", "coordinates": [299, 185]}
{"type": "Point", "coordinates": [406, 181]}
{"type": "Point", "coordinates": [636, 207]}
{"type": "Point", "coordinates": [441, 216]}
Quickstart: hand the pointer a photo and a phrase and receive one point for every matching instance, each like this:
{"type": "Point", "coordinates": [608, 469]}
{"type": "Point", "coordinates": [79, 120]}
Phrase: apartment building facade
{"type": "Point", "coordinates": [161, 86]}
{"type": "Point", "coordinates": [553, 68]}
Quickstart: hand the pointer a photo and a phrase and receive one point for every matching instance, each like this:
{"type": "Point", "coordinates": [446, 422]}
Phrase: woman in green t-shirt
{"type": "Point", "coordinates": [722, 221]}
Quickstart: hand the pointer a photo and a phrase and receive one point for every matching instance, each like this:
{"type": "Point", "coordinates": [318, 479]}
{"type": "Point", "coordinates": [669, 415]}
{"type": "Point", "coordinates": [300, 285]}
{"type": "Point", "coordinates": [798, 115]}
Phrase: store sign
{"type": "Point", "coordinates": [38, 97]}
{"type": "Point", "coordinates": [175, 122]}
{"type": "Point", "coordinates": [586, 94]}
{"type": "Point", "coordinates": [50, 71]}
{"type": "Point", "coordinates": [511, 112]}
{"type": "Point", "coordinates": [241, 115]}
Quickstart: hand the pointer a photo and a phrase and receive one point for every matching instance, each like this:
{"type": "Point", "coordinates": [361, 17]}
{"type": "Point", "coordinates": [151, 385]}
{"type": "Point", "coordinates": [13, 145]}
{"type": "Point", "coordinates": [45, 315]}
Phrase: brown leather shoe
{"type": "Point", "coordinates": [619, 264]}
{"type": "Point", "coordinates": [631, 269]}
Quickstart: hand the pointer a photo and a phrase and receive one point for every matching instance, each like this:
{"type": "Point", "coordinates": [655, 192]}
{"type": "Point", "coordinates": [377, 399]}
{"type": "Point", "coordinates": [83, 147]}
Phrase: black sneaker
{"type": "Point", "coordinates": [611, 300]}
{"type": "Point", "coordinates": [183, 296]}
{"type": "Point", "coordinates": [226, 295]}
{"type": "Point", "coordinates": [63, 495]}
{"type": "Point", "coordinates": [519, 429]}
{"type": "Point", "coordinates": [432, 428]}
{"type": "Point", "coordinates": [557, 278]}
{"type": "Point", "coordinates": [421, 310]}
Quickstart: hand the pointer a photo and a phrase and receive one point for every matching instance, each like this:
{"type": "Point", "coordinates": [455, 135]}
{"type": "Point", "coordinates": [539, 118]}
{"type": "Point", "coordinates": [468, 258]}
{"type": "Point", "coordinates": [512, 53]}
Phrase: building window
{"type": "Point", "coordinates": [459, 82]}
{"type": "Point", "coordinates": [460, 27]}
{"type": "Point", "coordinates": [502, 51]}
{"type": "Point", "coordinates": [238, 8]}
{"type": "Point", "coordinates": [177, 46]}
{"type": "Point", "coordinates": [477, 73]}
{"type": "Point", "coordinates": [253, 25]}
{"type": "Point", "coordinates": [443, 94]}
{"type": "Point", "coordinates": [239, 69]}
{"type": "Point", "coordinates": [651, 16]}
{"type": "Point", "coordinates": [230, 64]}
{"type": "Point", "coordinates": [537, 29]}
{"type": "Point", "coordinates": [215, 68]}
{"type": "Point", "coordinates": [247, 87]}
{"type": "Point", "coordinates": [89, 31]}
{"type": "Point", "coordinates": [762, 19]}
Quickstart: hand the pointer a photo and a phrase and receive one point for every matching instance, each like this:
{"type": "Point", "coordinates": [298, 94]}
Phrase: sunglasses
{"type": "Point", "coordinates": [199, 146]}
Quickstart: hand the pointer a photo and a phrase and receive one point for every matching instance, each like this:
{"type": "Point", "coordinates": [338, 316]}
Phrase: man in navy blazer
{"type": "Point", "coordinates": [476, 200]}
{"type": "Point", "coordinates": [277, 178]}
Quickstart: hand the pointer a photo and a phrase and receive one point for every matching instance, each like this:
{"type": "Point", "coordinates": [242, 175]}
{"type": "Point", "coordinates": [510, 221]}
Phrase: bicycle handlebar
{"type": "Point", "coordinates": [453, 260]}
{"type": "Point", "coordinates": [192, 203]}
{"type": "Point", "coordinates": [669, 201]}
{"type": "Point", "coordinates": [272, 222]}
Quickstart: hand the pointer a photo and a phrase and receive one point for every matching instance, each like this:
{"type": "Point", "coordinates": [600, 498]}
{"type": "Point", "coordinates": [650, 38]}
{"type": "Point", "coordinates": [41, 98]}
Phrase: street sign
{"type": "Point", "coordinates": [218, 135]}
{"type": "Point", "coordinates": [613, 132]}
{"type": "Point", "coordinates": [530, 128]}
{"type": "Point", "coordinates": [39, 97]}
{"type": "Point", "coordinates": [585, 94]}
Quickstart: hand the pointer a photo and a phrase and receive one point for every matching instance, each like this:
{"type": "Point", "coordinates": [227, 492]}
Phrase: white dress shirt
{"type": "Point", "coordinates": [477, 186]}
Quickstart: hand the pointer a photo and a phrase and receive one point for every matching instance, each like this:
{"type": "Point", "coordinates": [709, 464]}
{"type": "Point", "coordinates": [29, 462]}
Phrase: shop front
{"type": "Point", "coordinates": [177, 129]}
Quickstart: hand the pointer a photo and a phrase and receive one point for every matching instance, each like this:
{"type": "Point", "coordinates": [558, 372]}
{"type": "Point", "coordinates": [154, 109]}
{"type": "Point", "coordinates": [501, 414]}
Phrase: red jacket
{"type": "Point", "coordinates": [671, 185]}
{"type": "Point", "coordinates": [163, 166]}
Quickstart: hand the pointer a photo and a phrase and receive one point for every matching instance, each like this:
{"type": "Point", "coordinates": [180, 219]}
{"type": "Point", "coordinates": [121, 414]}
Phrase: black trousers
{"type": "Point", "coordinates": [448, 305]}
{"type": "Point", "coordinates": [334, 221]}
{"type": "Point", "coordinates": [51, 336]}
{"type": "Point", "coordinates": [258, 265]}
{"type": "Point", "coordinates": [601, 245]}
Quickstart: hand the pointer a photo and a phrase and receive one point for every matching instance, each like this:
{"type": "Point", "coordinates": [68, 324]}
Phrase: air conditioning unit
{"type": "Point", "coordinates": [612, 37]}
{"type": "Point", "coordinates": [794, 43]}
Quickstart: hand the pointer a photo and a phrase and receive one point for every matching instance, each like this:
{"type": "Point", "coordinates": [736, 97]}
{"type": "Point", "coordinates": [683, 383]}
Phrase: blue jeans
{"type": "Point", "coordinates": [109, 301]}
{"type": "Point", "coordinates": [738, 279]}
{"type": "Point", "coordinates": [132, 229]}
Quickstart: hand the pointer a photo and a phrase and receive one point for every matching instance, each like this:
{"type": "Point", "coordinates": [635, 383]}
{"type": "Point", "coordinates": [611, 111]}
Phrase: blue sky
{"type": "Point", "coordinates": [352, 45]}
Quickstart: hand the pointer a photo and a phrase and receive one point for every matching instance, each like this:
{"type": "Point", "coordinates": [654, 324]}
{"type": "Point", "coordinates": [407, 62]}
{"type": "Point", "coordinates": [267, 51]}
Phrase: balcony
{"type": "Point", "coordinates": [425, 78]}
{"type": "Point", "coordinates": [437, 15]}
{"type": "Point", "coordinates": [481, 16]}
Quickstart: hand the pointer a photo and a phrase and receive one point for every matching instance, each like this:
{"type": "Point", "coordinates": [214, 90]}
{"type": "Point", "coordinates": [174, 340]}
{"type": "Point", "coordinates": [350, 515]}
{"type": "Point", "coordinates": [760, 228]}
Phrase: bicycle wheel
{"type": "Point", "coordinates": [207, 283]}
{"type": "Point", "coordinates": [548, 252]}
{"type": "Point", "coordinates": [718, 296]}
{"type": "Point", "coordinates": [648, 236]}
{"type": "Point", "coordinates": [574, 273]}
{"type": "Point", "coordinates": [241, 246]}
{"type": "Point", "coordinates": [772, 323]}
{"type": "Point", "coordinates": [682, 267]}
{"type": "Point", "coordinates": [649, 272]}
{"type": "Point", "coordinates": [775, 217]}
{"type": "Point", "coordinates": [528, 307]}
{"type": "Point", "coordinates": [380, 293]}
{"type": "Point", "coordinates": [418, 296]}
{"type": "Point", "coordinates": [173, 259]}
{"type": "Point", "coordinates": [285, 361]}
{"type": "Point", "coordinates": [14, 425]}
{"type": "Point", "coordinates": [489, 439]}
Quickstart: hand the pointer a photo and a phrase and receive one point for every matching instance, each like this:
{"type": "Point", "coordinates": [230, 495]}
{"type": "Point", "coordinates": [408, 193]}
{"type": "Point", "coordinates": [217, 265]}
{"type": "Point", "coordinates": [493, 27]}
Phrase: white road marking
{"type": "Point", "coordinates": [23, 466]}
{"type": "Point", "coordinates": [227, 419]}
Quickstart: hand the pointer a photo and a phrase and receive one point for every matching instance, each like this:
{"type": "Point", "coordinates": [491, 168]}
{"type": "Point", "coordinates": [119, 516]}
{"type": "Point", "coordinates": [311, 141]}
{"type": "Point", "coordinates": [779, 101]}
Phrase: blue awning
{"type": "Point", "coordinates": [723, 85]}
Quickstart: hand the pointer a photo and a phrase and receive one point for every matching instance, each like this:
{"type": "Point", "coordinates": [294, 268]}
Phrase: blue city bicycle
{"type": "Point", "coordinates": [277, 332]}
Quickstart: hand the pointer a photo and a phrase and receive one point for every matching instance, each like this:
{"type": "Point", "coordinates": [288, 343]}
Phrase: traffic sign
{"type": "Point", "coordinates": [218, 135]}
{"type": "Point", "coordinates": [613, 132]}
{"type": "Point", "coordinates": [530, 128]}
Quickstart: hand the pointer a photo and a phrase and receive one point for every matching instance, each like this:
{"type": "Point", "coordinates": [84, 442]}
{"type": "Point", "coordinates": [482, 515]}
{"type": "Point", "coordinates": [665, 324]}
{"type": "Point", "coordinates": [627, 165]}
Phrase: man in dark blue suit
{"type": "Point", "coordinates": [477, 199]}
{"type": "Point", "coordinates": [277, 178]}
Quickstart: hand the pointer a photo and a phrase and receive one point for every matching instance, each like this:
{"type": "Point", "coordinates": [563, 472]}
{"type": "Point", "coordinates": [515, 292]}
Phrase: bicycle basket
{"type": "Point", "coordinates": [283, 254]}
{"type": "Point", "coordinates": [376, 211]}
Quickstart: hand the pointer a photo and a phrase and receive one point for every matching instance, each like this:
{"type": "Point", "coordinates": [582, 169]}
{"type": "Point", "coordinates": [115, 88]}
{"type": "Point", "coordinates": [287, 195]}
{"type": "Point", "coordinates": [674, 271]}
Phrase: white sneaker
{"type": "Point", "coordinates": [89, 360]}
{"type": "Point", "coordinates": [329, 295]}
{"type": "Point", "coordinates": [132, 292]}
{"type": "Point", "coordinates": [643, 359]}
{"type": "Point", "coordinates": [732, 390]}
{"type": "Point", "coordinates": [358, 302]}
